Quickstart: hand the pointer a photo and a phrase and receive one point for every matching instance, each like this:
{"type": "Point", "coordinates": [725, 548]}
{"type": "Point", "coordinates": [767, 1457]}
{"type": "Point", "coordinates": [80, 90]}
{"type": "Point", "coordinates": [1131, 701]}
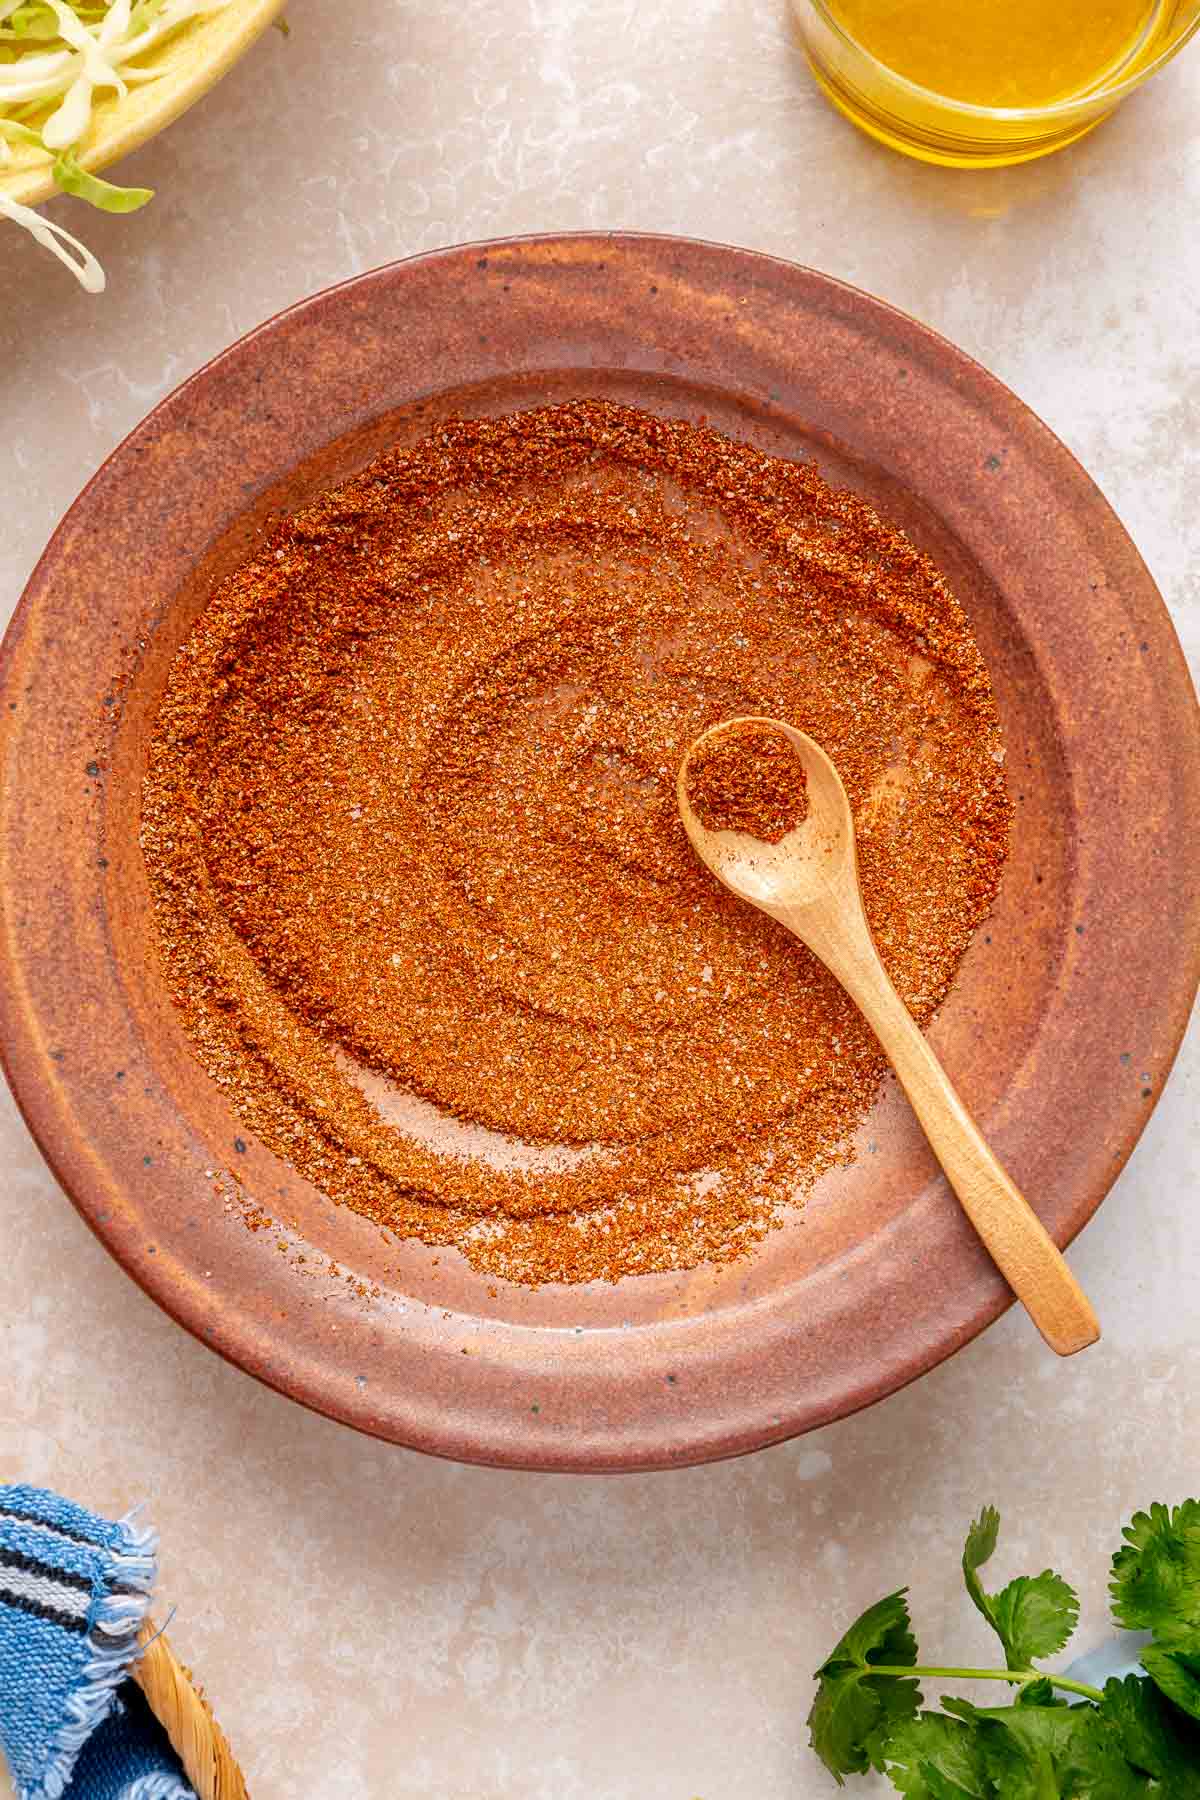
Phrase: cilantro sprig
{"type": "Point", "coordinates": [1132, 1739]}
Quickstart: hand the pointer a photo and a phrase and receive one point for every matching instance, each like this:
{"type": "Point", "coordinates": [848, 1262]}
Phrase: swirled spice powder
{"type": "Point", "coordinates": [748, 778]}
{"type": "Point", "coordinates": [423, 897]}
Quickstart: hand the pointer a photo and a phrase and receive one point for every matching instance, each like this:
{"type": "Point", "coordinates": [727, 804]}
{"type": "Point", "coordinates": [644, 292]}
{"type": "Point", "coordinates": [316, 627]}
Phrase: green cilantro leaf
{"type": "Point", "coordinates": [1033, 1616]}
{"type": "Point", "coordinates": [1036, 1748]}
{"type": "Point", "coordinates": [1017, 1763]}
{"type": "Point", "coordinates": [1092, 1764]}
{"type": "Point", "coordinates": [932, 1757]}
{"type": "Point", "coordinates": [1155, 1582]}
{"type": "Point", "coordinates": [1137, 1712]}
{"type": "Point", "coordinates": [1175, 1670]}
{"type": "Point", "coordinates": [855, 1712]}
{"type": "Point", "coordinates": [978, 1549]}
{"type": "Point", "coordinates": [1153, 1737]}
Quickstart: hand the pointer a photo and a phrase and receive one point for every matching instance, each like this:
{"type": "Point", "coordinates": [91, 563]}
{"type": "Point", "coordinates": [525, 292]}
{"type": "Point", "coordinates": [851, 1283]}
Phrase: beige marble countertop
{"type": "Point", "coordinates": [370, 1623]}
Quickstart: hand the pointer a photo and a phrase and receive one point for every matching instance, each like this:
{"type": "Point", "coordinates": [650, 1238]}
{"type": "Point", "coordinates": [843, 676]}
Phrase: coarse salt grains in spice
{"type": "Point", "coordinates": [410, 828]}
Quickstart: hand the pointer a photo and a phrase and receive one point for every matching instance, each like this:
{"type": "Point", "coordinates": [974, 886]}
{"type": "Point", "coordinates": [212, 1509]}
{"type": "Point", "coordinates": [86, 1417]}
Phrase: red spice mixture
{"type": "Point", "coordinates": [422, 894]}
{"type": "Point", "coordinates": [748, 778]}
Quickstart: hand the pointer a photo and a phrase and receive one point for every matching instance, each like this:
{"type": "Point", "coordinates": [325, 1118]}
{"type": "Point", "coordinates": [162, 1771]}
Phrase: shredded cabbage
{"type": "Point", "coordinates": [55, 57]}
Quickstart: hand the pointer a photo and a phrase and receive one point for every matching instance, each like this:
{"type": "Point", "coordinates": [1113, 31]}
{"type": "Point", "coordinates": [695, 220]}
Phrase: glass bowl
{"type": "Point", "coordinates": [936, 128]}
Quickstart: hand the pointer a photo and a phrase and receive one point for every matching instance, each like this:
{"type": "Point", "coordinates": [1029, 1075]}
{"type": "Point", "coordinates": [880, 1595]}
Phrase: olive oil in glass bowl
{"type": "Point", "coordinates": [989, 81]}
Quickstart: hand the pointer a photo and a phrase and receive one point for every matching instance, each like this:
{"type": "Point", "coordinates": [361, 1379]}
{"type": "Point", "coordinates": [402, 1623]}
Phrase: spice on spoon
{"type": "Point", "coordinates": [748, 778]}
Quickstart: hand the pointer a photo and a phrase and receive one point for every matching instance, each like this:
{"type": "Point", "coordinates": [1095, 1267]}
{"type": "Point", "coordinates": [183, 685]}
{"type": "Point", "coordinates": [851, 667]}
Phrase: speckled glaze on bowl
{"type": "Point", "coordinates": [1061, 1027]}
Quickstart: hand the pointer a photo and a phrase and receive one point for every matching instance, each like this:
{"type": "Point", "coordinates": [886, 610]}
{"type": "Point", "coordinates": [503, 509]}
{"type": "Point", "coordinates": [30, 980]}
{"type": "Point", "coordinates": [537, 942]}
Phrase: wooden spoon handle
{"type": "Point", "coordinates": [1019, 1243]}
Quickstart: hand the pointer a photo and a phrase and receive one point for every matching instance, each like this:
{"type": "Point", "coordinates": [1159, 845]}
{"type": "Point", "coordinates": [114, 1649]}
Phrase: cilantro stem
{"type": "Point", "coordinates": [1015, 1677]}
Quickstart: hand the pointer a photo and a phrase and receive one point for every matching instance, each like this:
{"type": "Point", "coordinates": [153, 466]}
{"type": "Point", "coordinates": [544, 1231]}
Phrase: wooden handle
{"type": "Point", "coordinates": [1019, 1243]}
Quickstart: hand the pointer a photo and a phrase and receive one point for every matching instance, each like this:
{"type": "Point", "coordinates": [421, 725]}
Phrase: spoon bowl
{"type": "Point", "coordinates": [808, 881]}
{"type": "Point", "coordinates": [803, 868]}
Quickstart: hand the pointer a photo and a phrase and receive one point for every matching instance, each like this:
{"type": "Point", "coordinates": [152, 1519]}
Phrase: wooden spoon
{"type": "Point", "coordinates": [809, 882]}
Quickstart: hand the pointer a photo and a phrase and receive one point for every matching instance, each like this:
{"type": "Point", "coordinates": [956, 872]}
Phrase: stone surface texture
{"type": "Point", "coordinates": [369, 1622]}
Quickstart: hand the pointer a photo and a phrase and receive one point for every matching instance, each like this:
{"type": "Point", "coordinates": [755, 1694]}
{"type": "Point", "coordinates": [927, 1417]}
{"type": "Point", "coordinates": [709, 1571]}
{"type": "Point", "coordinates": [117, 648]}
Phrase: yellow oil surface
{"type": "Point", "coordinates": [1007, 53]}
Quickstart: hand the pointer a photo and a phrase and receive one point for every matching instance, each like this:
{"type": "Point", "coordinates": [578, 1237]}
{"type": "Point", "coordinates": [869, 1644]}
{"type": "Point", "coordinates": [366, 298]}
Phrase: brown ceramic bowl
{"type": "Point", "coordinates": [1080, 984]}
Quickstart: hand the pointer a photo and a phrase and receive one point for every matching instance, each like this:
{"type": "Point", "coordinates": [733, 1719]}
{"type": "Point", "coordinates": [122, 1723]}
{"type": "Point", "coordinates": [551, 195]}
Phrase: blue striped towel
{"type": "Point", "coordinates": [74, 1589]}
